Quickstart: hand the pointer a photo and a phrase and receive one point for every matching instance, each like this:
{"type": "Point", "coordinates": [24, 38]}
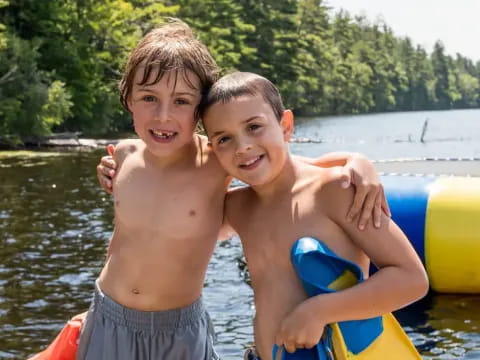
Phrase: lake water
{"type": "Point", "coordinates": [55, 223]}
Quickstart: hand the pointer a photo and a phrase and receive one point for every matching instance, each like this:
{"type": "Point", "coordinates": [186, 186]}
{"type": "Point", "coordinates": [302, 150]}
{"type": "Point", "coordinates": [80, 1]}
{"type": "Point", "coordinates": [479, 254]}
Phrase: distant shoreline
{"type": "Point", "coordinates": [71, 140]}
{"type": "Point", "coordinates": [57, 141]}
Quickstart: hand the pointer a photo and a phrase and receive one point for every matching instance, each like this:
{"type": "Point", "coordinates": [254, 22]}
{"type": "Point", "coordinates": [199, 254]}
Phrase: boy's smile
{"type": "Point", "coordinates": [248, 140]}
{"type": "Point", "coordinates": [162, 135]}
{"type": "Point", "coordinates": [252, 163]}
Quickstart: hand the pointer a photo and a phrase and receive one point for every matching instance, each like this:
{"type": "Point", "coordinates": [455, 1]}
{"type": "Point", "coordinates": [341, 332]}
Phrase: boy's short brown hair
{"type": "Point", "coordinates": [238, 84]}
{"type": "Point", "coordinates": [172, 46]}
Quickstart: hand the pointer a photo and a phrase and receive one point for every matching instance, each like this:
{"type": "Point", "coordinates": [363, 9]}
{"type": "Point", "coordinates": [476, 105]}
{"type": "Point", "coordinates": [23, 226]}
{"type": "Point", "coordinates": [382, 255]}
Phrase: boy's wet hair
{"type": "Point", "coordinates": [171, 47]}
{"type": "Point", "coordinates": [239, 84]}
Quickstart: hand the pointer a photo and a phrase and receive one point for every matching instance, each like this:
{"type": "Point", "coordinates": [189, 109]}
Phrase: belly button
{"type": "Point", "coordinates": [136, 291]}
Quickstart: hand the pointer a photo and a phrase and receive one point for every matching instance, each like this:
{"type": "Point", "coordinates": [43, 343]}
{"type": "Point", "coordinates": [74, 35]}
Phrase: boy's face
{"type": "Point", "coordinates": [164, 113]}
{"type": "Point", "coordinates": [249, 141]}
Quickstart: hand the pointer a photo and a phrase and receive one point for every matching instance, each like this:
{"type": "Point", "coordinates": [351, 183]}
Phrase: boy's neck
{"type": "Point", "coordinates": [281, 185]}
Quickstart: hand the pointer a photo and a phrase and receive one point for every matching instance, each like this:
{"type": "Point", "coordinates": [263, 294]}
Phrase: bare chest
{"type": "Point", "coordinates": [268, 239]}
{"type": "Point", "coordinates": [159, 204]}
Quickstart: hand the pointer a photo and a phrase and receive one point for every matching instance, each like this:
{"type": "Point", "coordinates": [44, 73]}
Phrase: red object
{"type": "Point", "coordinates": [65, 345]}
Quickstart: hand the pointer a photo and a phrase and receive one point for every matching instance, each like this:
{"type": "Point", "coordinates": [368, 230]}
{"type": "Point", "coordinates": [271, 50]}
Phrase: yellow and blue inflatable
{"type": "Point", "coordinates": [321, 271]}
{"type": "Point", "coordinates": [441, 217]}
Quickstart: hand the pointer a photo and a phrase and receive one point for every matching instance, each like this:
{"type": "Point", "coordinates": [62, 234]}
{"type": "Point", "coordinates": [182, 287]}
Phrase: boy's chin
{"type": "Point", "coordinates": [252, 181]}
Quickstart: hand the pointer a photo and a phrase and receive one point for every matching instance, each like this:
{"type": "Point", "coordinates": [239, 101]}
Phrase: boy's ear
{"type": "Point", "coordinates": [286, 122]}
{"type": "Point", "coordinates": [129, 104]}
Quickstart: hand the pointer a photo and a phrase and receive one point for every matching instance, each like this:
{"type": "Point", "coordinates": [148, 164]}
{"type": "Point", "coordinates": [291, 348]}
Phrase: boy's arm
{"type": "Point", "coordinates": [358, 170]}
{"type": "Point", "coordinates": [117, 155]}
{"type": "Point", "coordinates": [332, 159]}
{"type": "Point", "coordinates": [226, 231]}
{"type": "Point", "coordinates": [400, 280]}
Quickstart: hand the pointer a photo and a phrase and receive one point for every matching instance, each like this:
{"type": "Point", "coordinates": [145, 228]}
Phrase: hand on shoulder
{"type": "Point", "coordinates": [336, 197]}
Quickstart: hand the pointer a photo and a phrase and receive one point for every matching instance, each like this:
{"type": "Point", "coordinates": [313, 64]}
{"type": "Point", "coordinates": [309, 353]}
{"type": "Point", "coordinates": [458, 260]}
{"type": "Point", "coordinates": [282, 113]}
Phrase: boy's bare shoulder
{"type": "Point", "coordinates": [126, 147]}
{"type": "Point", "coordinates": [331, 193]}
{"type": "Point", "coordinates": [238, 200]}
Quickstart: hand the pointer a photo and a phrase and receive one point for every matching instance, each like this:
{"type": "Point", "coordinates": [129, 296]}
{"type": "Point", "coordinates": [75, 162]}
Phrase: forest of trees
{"type": "Point", "coordinates": [60, 60]}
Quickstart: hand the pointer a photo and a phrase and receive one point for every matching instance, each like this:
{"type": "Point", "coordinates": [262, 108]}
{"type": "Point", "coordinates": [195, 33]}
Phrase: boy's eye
{"type": "Point", "coordinates": [223, 140]}
{"type": "Point", "coordinates": [148, 98]}
{"type": "Point", "coordinates": [181, 101]}
{"type": "Point", "coordinates": [253, 127]}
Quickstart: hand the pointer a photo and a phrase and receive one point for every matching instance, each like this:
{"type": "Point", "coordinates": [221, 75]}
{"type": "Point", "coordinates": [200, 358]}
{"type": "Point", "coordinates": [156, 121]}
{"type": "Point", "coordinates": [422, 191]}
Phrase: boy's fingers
{"type": "Point", "coordinates": [377, 211]}
{"type": "Point", "coordinates": [103, 170]}
{"type": "Point", "coordinates": [367, 210]}
{"type": "Point", "coordinates": [345, 177]}
{"type": "Point", "coordinates": [357, 204]}
{"type": "Point", "coordinates": [104, 181]}
{"type": "Point", "coordinates": [108, 166]}
{"type": "Point", "coordinates": [289, 346]}
{"type": "Point", "coordinates": [108, 189]}
{"type": "Point", "coordinates": [110, 149]}
{"type": "Point", "coordinates": [108, 161]}
{"type": "Point", "coordinates": [279, 340]}
{"type": "Point", "coordinates": [385, 206]}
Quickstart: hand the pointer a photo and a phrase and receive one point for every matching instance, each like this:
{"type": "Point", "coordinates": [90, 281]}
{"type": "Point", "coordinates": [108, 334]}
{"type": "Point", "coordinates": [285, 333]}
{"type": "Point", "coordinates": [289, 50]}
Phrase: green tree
{"type": "Point", "coordinates": [30, 102]}
{"type": "Point", "coordinates": [274, 39]}
{"type": "Point", "coordinates": [443, 77]}
{"type": "Point", "coordinates": [311, 91]}
{"type": "Point", "coordinates": [221, 27]}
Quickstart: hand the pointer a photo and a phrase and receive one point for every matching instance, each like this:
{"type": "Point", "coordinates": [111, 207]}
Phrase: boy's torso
{"type": "Point", "coordinates": [166, 225]}
{"type": "Point", "coordinates": [268, 232]}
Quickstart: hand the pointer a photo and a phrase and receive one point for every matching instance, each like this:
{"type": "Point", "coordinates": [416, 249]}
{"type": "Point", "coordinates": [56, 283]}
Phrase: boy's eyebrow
{"type": "Point", "coordinates": [216, 133]}
{"type": "Point", "coordinates": [252, 118]}
{"type": "Point", "coordinates": [144, 88]}
{"type": "Point", "coordinates": [184, 93]}
{"type": "Point", "coordinates": [149, 89]}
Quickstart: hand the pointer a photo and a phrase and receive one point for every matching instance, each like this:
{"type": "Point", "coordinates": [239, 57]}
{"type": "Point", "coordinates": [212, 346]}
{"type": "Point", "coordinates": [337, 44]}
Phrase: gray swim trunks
{"type": "Point", "coordinates": [114, 332]}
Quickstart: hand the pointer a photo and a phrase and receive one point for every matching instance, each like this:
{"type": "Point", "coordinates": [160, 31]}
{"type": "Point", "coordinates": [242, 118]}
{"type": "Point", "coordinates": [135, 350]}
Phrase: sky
{"type": "Point", "coordinates": [456, 23]}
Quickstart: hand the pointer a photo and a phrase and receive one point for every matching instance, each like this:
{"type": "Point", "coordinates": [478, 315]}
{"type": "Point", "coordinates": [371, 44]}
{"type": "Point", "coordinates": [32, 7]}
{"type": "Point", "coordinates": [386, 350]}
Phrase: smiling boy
{"type": "Point", "coordinates": [288, 199]}
{"type": "Point", "coordinates": [147, 303]}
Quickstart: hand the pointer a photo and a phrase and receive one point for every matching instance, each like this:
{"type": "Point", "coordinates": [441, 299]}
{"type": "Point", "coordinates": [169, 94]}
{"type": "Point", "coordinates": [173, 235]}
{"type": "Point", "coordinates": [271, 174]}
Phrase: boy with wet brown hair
{"type": "Point", "coordinates": [169, 194]}
{"type": "Point", "coordinates": [287, 200]}
{"type": "Point", "coordinates": [147, 302]}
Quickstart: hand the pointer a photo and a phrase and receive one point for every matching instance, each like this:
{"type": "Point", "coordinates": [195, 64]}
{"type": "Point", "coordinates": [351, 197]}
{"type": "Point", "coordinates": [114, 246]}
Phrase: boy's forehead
{"type": "Point", "coordinates": [237, 110]}
{"type": "Point", "coordinates": [244, 104]}
{"type": "Point", "coordinates": [175, 79]}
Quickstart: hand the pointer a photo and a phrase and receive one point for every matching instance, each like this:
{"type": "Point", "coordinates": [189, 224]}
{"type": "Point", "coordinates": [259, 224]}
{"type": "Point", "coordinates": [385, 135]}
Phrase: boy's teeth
{"type": "Point", "coordinates": [251, 161]}
{"type": "Point", "coordinates": [163, 133]}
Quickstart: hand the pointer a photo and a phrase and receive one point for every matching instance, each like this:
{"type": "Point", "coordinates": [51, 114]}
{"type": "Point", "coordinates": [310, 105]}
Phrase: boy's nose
{"type": "Point", "coordinates": [161, 113]}
{"type": "Point", "coordinates": [243, 148]}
